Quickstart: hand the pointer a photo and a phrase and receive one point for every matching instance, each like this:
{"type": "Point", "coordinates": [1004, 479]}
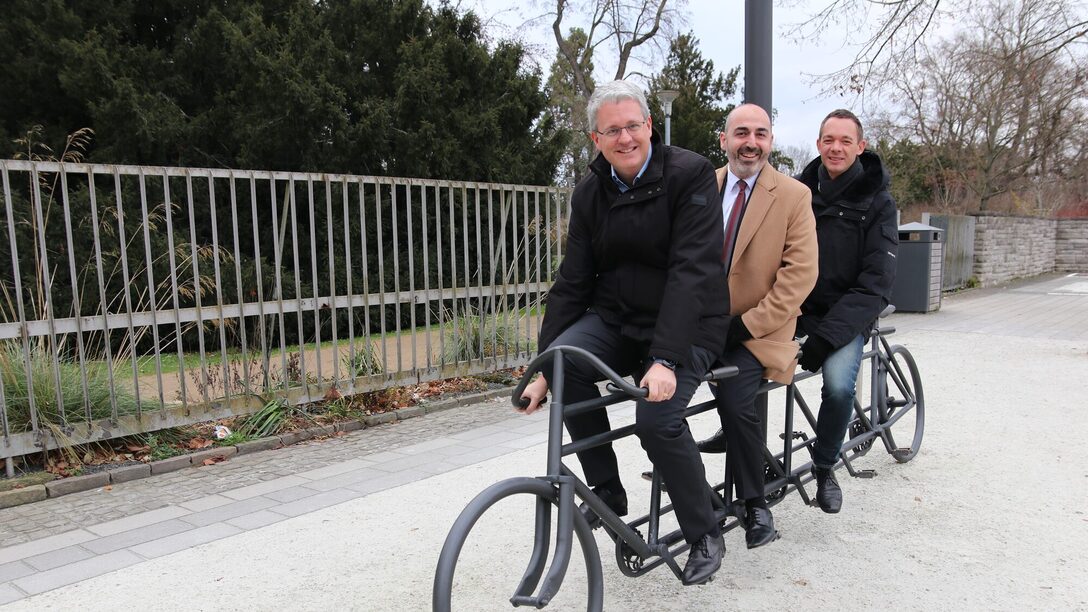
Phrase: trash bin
{"type": "Point", "coordinates": [917, 285]}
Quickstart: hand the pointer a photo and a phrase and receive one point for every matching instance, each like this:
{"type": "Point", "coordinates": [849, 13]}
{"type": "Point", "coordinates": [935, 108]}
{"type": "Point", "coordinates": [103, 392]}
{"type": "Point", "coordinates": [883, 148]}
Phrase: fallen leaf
{"type": "Point", "coordinates": [801, 582]}
{"type": "Point", "coordinates": [107, 488]}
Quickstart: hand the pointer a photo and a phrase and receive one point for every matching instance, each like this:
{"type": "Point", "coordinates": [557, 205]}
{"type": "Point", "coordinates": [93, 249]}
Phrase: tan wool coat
{"type": "Point", "coordinates": [775, 263]}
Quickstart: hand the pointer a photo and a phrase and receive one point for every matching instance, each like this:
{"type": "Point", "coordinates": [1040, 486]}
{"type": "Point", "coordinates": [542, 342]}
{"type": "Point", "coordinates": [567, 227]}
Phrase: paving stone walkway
{"type": "Point", "coordinates": [65, 540]}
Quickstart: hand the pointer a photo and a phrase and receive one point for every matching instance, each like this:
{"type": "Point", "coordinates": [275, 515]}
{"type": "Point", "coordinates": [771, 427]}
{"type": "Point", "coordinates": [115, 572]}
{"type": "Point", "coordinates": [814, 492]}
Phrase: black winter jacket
{"type": "Point", "coordinates": [859, 241]}
{"type": "Point", "coordinates": [648, 260]}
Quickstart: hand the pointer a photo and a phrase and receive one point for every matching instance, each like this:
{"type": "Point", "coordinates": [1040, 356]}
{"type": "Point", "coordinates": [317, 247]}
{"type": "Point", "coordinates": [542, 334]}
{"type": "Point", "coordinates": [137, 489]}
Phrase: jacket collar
{"type": "Point", "coordinates": [874, 178]}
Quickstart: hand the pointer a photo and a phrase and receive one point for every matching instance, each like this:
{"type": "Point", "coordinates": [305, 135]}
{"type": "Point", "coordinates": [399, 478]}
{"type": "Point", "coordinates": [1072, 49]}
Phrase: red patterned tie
{"type": "Point", "coordinates": [734, 221]}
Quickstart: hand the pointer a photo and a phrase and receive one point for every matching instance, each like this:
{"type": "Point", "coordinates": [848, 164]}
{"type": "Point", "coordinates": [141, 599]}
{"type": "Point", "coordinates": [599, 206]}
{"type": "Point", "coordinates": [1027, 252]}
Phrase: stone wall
{"type": "Point", "coordinates": [1071, 248]}
{"type": "Point", "coordinates": [1008, 247]}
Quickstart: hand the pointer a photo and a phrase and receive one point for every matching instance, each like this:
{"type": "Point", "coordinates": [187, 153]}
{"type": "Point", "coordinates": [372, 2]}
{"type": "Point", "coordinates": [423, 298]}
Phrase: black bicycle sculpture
{"type": "Point", "coordinates": [895, 393]}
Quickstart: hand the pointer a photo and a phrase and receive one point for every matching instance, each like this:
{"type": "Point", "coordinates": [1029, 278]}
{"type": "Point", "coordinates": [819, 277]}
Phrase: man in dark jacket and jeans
{"type": "Point", "coordinates": [642, 287]}
{"type": "Point", "coordinates": [858, 240]}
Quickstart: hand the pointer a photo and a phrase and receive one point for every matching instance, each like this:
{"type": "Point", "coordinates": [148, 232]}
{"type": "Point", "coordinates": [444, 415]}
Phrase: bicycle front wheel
{"type": "Point", "coordinates": [487, 551]}
{"type": "Point", "coordinates": [905, 406]}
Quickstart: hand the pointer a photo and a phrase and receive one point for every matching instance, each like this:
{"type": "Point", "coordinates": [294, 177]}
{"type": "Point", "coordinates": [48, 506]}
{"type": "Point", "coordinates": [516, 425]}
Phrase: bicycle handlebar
{"type": "Point", "coordinates": [616, 383]}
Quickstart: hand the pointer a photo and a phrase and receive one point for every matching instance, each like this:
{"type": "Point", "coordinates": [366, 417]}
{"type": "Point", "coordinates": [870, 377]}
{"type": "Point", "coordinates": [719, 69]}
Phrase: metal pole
{"type": "Point", "coordinates": [758, 33]}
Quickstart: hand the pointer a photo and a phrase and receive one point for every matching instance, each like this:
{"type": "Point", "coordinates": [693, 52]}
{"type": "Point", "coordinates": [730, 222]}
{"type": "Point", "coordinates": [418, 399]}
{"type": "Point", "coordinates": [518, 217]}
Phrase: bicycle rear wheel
{"type": "Point", "coordinates": [905, 413]}
{"type": "Point", "coordinates": [500, 541]}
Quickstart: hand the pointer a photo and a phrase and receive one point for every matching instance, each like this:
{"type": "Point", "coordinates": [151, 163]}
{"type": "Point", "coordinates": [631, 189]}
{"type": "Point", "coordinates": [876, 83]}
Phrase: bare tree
{"type": "Point", "coordinates": [1001, 106]}
{"type": "Point", "coordinates": [593, 34]}
{"type": "Point", "coordinates": [894, 33]}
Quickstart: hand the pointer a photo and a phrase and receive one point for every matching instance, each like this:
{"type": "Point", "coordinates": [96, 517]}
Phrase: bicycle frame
{"type": "Point", "coordinates": [636, 555]}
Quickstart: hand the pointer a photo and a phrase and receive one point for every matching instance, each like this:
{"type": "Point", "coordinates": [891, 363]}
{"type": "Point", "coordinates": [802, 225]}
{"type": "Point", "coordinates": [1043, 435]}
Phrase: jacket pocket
{"type": "Point", "coordinates": [773, 354]}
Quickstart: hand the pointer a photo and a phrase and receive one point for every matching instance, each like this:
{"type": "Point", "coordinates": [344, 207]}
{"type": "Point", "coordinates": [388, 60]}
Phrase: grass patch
{"type": "Point", "coordinates": [43, 382]}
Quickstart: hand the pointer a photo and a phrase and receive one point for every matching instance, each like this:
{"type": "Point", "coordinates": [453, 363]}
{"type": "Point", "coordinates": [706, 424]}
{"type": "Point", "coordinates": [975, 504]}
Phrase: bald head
{"type": "Point", "coordinates": [747, 140]}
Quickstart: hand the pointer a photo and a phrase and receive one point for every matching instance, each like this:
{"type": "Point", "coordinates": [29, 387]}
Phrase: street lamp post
{"type": "Point", "coordinates": [666, 96]}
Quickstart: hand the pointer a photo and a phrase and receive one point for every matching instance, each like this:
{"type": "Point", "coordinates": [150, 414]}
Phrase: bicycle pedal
{"type": "Point", "coordinates": [865, 474]}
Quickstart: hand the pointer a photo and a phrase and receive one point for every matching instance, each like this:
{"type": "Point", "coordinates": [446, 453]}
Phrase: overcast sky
{"type": "Point", "coordinates": [719, 26]}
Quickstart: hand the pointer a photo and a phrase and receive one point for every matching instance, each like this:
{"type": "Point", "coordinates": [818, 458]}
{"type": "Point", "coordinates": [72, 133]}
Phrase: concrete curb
{"type": "Point", "coordinates": [26, 495]}
{"type": "Point", "coordinates": [128, 473]}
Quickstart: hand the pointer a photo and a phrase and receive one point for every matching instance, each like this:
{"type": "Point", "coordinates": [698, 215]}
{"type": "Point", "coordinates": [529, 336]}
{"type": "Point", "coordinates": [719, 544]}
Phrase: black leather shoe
{"type": "Point", "coordinates": [828, 493]}
{"type": "Point", "coordinates": [616, 499]}
{"type": "Point", "coordinates": [714, 445]}
{"type": "Point", "coordinates": [704, 559]}
{"type": "Point", "coordinates": [760, 528]}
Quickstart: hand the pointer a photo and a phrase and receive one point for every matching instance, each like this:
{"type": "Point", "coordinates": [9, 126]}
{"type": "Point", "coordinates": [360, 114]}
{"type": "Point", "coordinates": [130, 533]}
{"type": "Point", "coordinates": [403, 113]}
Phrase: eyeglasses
{"type": "Point", "coordinates": [614, 132]}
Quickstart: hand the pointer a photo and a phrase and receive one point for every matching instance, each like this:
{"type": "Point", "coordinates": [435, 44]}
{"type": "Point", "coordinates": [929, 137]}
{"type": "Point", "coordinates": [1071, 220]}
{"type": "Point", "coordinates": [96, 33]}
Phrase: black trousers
{"type": "Point", "coordinates": [660, 426]}
{"type": "Point", "coordinates": [741, 422]}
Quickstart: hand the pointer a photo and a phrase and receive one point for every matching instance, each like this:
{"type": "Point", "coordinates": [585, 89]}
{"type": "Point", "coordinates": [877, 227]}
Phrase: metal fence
{"type": "Point", "coordinates": [141, 298]}
{"type": "Point", "coordinates": [959, 248]}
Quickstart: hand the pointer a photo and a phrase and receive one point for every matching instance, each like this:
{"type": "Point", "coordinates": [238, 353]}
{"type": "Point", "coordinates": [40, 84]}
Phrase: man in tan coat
{"type": "Point", "coordinates": [771, 255]}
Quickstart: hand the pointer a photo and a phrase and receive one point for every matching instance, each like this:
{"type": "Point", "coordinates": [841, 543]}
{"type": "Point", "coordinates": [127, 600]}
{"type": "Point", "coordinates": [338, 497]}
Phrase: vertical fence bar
{"type": "Point", "coordinates": [351, 371]}
{"type": "Point", "coordinates": [481, 322]}
{"type": "Point", "coordinates": [467, 341]}
{"type": "Point", "coordinates": [103, 305]}
{"type": "Point", "coordinates": [441, 274]}
{"type": "Point", "coordinates": [217, 271]}
{"type": "Point", "coordinates": [332, 286]}
{"type": "Point", "coordinates": [365, 255]}
{"type": "Point", "coordinates": [396, 273]}
{"type": "Point", "coordinates": [454, 333]}
{"type": "Point", "coordinates": [492, 311]}
{"type": "Point", "coordinates": [505, 273]}
{"type": "Point", "coordinates": [381, 271]}
{"type": "Point", "coordinates": [541, 234]}
{"type": "Point", "coordinates": [266, 353]}
{"type": "Point", "coordinates": [197, 289]}
{"type": "Point", "coordinates": [24, 338]}
{"type": "Point", "coordinates": [77, 309]}
{"type": "Point", "coordinates": [526, 272]}
{"type": "Point", "coordinates": [426, 274]}
{"type": "Point", "coordinates": [298, 287]}
{"type": "Point", "coordinates": [277, 246]}
{"type": "Point", "coordinates": [242, 335]}
{"type": "Point", "coordinates": [314, 290]}
{"type": "Point", "coordinates": [174, 288]}
{"type": "Point", "coordinates": [548, 202]}
{"type": "Point", "coordinates": [411, 276]}
{"type": "Point", "coordinates": [126, 281]}
{"type": "Point", "coordinates": [45, 287]}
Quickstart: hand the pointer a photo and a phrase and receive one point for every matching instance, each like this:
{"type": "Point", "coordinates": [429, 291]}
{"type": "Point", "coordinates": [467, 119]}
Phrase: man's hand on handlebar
{"type": "Point", "coordinates": [535, 393]}
{"type": "Point", "coordinates": [660, 382]}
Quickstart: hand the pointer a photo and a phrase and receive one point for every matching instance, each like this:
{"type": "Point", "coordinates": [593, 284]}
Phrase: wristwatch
{"type": "Point", "coordinates": [668, 363]}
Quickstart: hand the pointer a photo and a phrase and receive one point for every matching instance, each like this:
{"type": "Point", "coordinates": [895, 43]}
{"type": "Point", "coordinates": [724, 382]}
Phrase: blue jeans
{"type": "Point", "coordinates": [840, 373]}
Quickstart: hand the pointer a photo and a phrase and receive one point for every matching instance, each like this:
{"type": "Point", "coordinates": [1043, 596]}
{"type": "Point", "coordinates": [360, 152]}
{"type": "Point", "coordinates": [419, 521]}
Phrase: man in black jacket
{"type": "Point", "coordinates": [642, 286]}
{"type": "Point", "coordinates": [858, 240]}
